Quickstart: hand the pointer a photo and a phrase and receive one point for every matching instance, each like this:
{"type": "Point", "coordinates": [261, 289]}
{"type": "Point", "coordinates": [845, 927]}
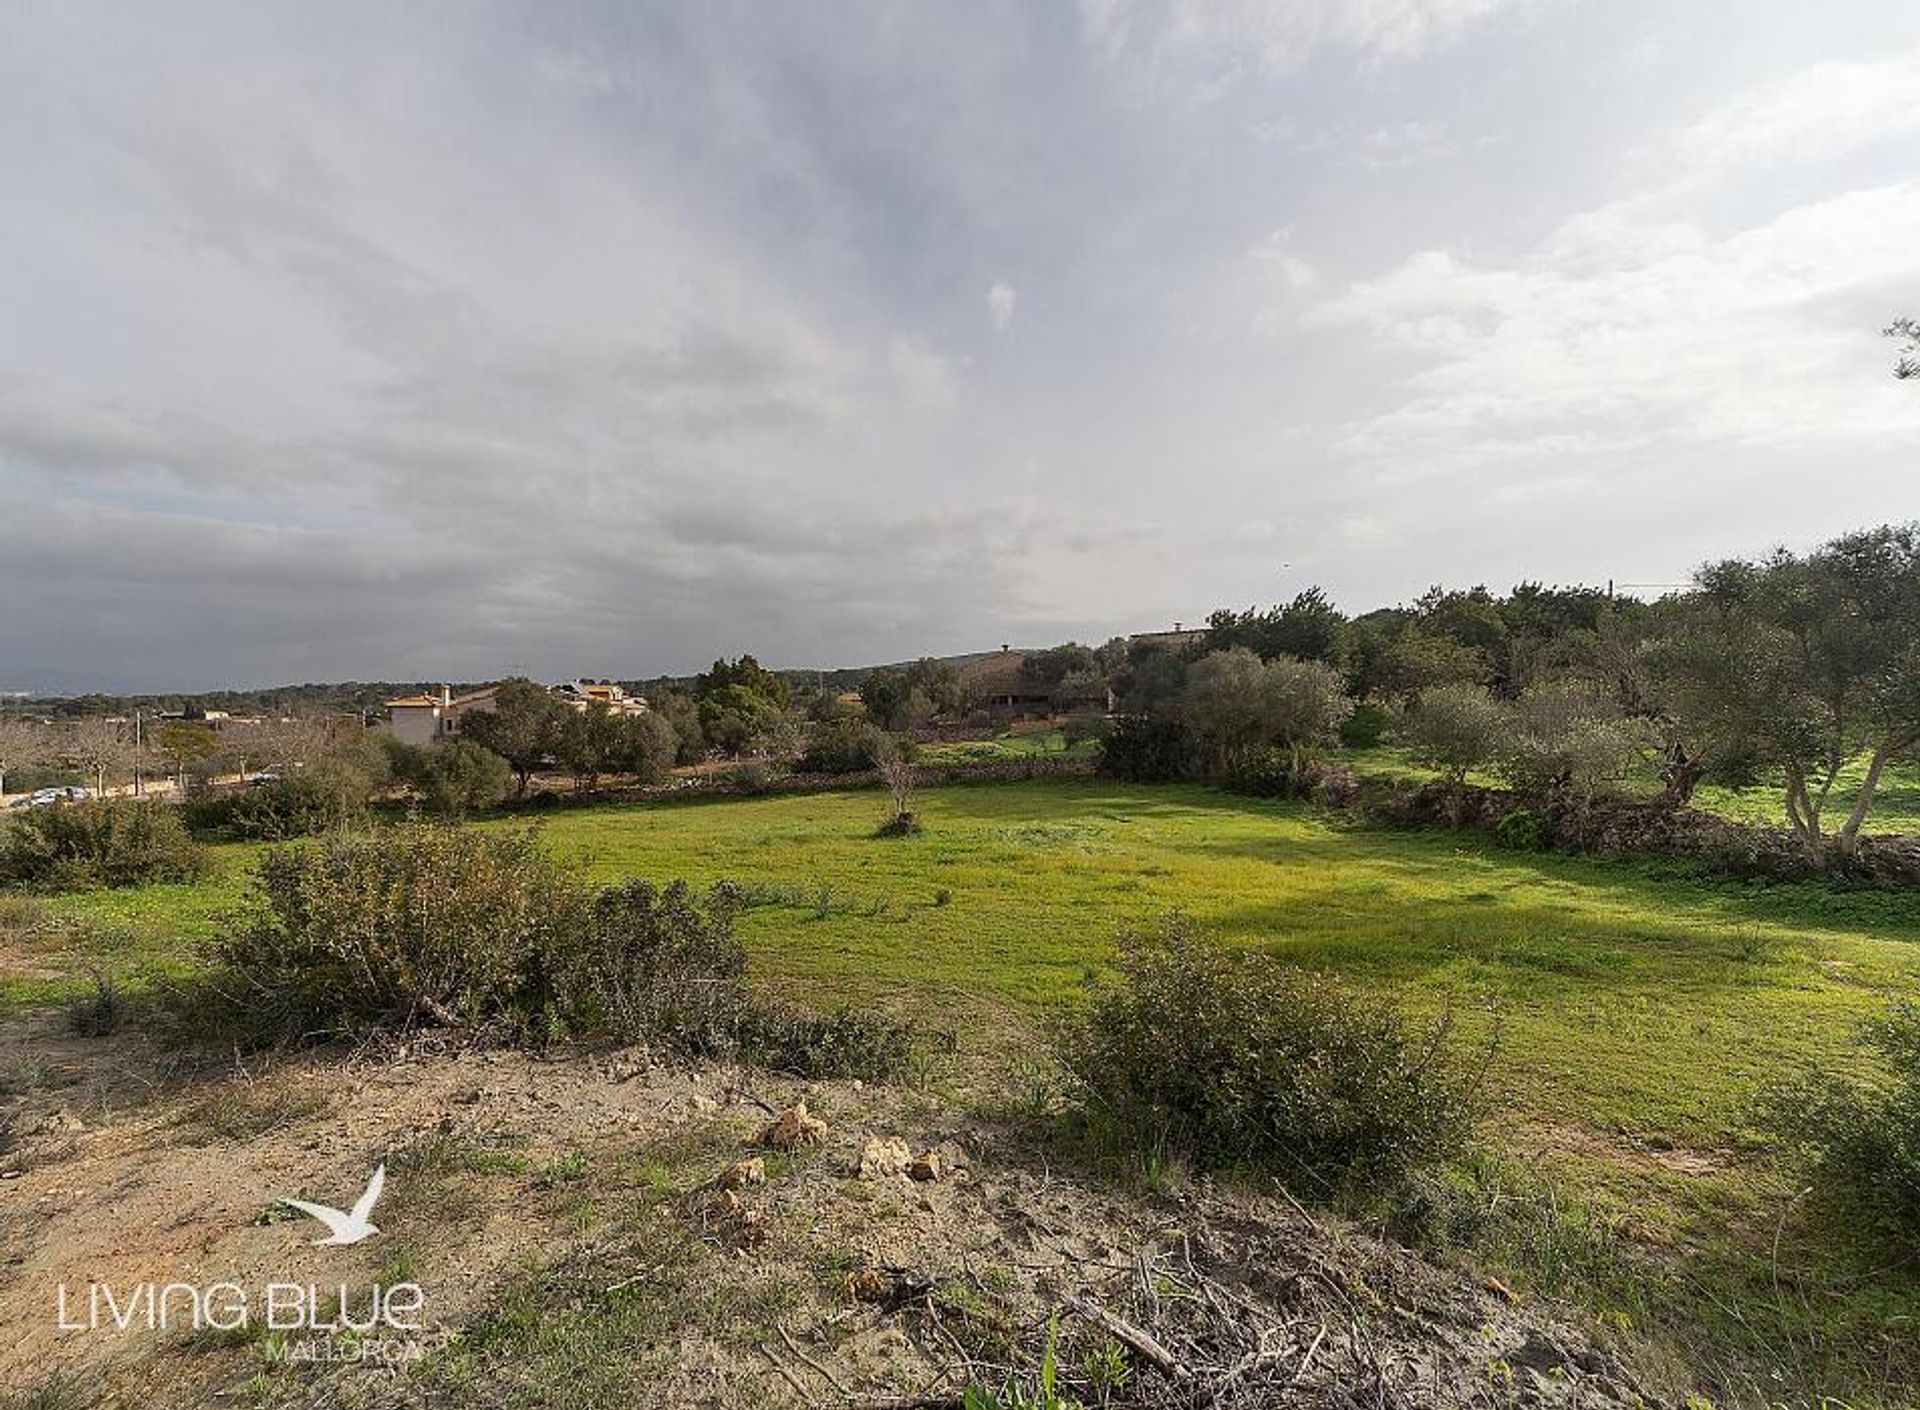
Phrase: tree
{"type": "Point", "coordinates": [1239, 705]}
{"type": "Point", "coordinates": [183, 743]}
{"type": "Point", "coordinates": [1571, 735]}
{"type": "Point", "coordinates": [679, 710]}
{"type": "Point", "coordinates": [98, 747]}
{"type": "Point", "coordinates": [1909, 329]}
{"type": "Point", "coordinates": [645, 747]}
{"type": "Point", "coordinates": [746, 673]}
{"type": "Point", "coordinates": [1310, 628]}
{"type": "Point", "coordinates": [1793, 665]}
{"type": "Point", "coordinates": [453, 776]}
{"type": "Point", "coordinates": [524, 727]}
{"type": "Point", "coordinates": [590, 743]}
{"type": "Point", "coordinates": [1456, 728]}
{"type": "Point", "coordinates": [896, 772]}
{"type": "Point", "coordinates": [23, 744]}
{"type": "Point", "coordinates": [886, 693]}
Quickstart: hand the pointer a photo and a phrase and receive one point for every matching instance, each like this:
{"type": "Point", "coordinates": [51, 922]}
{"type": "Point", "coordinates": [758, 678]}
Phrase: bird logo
{"type": "Point", "coordinates": [353, 1225]}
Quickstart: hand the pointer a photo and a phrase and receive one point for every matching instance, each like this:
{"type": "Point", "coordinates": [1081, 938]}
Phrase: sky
{"type": "Point", "coordinates": [374, 341]}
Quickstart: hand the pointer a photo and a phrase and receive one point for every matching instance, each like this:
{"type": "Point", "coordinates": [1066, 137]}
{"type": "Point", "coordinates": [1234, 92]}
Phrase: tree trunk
{"type": "Point", "coordinates": [1862, 805]}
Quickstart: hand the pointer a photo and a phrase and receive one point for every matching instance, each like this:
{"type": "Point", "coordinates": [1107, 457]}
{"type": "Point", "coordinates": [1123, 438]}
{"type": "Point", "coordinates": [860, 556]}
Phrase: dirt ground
{"type": "Point", "coordinates": [591, 1228]}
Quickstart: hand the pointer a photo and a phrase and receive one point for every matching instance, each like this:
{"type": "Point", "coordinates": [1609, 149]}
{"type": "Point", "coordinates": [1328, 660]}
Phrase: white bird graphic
{"type": "Point", "coordinates": [352, 1226]}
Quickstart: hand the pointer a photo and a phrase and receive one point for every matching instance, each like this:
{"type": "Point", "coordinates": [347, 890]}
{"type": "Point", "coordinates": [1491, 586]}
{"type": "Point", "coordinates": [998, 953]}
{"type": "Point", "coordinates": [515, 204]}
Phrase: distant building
{"type": "Point", "coordinates": [581, 694]}
{"type": "Point", "coordinates": [996, 685]}
{"type": "Point", "coordinates": [421, 719]}
{"type": "Point", "coordinates": [1181, 635]}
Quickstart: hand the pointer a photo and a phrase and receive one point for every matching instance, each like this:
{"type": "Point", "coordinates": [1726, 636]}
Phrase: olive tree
{"type": "Point", "coordinates": [1794, 665]}
{"type": "Point", "coordinates": [1457, 728]}
{"type": "Point", "coordinates": [1239, 706]}
{"type": "Point", "coordinates": [1571, 735]}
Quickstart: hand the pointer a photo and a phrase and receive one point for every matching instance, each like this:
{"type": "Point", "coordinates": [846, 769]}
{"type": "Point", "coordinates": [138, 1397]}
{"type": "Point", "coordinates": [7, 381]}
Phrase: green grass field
{"type": "Point", "coordinates": [1627, 1000]}
{"type": "Point", "coordinates": [1637, 1011]}
{"type": "Point", "coordinates": [1896, 801]}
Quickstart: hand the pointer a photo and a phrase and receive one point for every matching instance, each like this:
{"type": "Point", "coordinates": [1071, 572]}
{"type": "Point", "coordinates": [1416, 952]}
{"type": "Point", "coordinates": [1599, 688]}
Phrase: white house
{"type": "Point", "coordinates": [421, 719]}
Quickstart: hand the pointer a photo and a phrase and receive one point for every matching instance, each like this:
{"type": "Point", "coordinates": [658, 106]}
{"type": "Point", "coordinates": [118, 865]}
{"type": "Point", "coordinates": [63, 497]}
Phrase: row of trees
{"type": "Point", "coordinates": [1785, 668]}
{"type": "Point", "coordinates": [103, 750]}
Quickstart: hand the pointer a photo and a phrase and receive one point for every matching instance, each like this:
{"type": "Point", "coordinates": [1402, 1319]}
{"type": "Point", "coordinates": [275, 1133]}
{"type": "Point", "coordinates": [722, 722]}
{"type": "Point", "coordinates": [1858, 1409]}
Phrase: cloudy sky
{"type": "Point", "coordinates": [408, 341]}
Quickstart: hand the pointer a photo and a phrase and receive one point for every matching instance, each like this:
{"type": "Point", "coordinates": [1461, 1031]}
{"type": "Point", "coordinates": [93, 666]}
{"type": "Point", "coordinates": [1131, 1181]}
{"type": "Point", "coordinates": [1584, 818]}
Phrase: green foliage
{"type": "Point", "coordinates": [848, 1042]}
{"type": "Point", "coordinates": [102, 842]}
{"type": "Point", "coordinates": [656, 966]}
{"type": "Point", "coordinates": [524, 727]}
{"type": "Point", "coordinates": [452, 776]}
{"type": "Point", "coordinates": [1149, 749]}
{"type": "Point", "coordinates": [843, 746]}
{"type": "Point", "coordinates": [1238, 706]}
{"type": "Point", "coordinates": [1236, 1061]}
{"type": "Point", "coordinates": [1456, 728]}
{"type": "Point", "coordinates": [1522, 830]}
{"type": "Point", "coordinates": [1310, 628]}
{"type": "Point", "coordinates": [1571, 735]}
{"type": "Point", "coordinates": [1858, 1135]}
{"type": "Point", "coordinates": [326, 796]}
{"type": "Point", "coordinates": [1366, 726]}
{"type": "Point", "coordinates": [421, 923]}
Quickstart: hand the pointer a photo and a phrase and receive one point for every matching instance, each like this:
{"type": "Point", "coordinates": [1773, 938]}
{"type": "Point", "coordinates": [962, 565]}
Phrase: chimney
{"type": "Point", "coordinates": [1176, 626]}
{"type": "Point", "coordinates": [446, 695]}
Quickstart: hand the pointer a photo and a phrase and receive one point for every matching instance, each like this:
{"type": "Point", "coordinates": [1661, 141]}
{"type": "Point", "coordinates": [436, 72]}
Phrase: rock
{"type": "Point", "coordinates": [881, 1157]}
{"type": "Point", "coordinates": [926, 1167]}
{"type": "Point", "coordinates": [868, 1284]}
{"type": "Point", "coordinates": [741, 1174]}
{"type": "Point", "coordinates": [793, 1129]}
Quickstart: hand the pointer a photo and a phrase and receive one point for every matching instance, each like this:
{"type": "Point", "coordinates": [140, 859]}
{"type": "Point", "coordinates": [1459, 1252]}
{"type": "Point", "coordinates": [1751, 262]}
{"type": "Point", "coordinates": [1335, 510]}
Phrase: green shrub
{"type": "Point", "coordinates": [1859, 1136]}
{"type": "Point", "coordinates": [419, 924]}
{"type": "Point", "coordinates": [1366, 726]}
{"type": "Point", "coordinates": [1235, 1061]}
{"type": "Point", "coordinates": [81, 846]}
{"type": "Point", "coordinates": [453, 777]}
{"type": "Point", "coordinates": [655, 966]}
{"type": "Point", "coordinates": [1523, 830]}
{"type": "Point", "coordinates": [327, 796]}
{"type": "Point", "coordinates": [848, 1042]}
{"type": "Point", "coordinates": [843, 746]}
{"type": "Point", "coordinates": [1143, 749]}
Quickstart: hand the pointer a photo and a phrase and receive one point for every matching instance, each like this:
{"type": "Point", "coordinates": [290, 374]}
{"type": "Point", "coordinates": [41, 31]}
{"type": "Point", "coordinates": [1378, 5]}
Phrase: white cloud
{"type": "Point", "coordinates": [1280, 34]}
{"type": "Point", "coordinates": [1620, 332]}
{"type": "Point", "coordinates": [1821, 112]}
{"type": "Point", "coordinates": [1001, 299]}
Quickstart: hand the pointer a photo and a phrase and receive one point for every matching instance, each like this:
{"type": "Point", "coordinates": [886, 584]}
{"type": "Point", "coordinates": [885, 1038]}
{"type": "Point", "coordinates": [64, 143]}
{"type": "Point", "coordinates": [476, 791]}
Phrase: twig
{"type": "Point", "coordinates": [785, 1374]}
{"type": "Point", "coordinates": [1134, 1337]}
{"type": "Point", "coordinates": [797, 1350]}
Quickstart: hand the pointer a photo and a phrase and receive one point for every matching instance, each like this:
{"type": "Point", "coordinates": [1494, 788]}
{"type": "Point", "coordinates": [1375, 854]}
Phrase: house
{"type": "Point", "coordinates": [996, 685]}
{"type": "Point", "coordinates": [582, 693]}
{"type": "Point", "coordinates": [1181, 636]}
{"type": "Point", "coordinates": [421, 719]}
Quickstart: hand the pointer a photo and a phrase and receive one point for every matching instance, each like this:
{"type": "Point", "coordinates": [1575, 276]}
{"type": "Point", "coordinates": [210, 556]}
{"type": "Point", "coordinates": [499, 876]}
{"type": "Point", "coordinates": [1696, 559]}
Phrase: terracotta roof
{"type": "Point", "coordinates": [412, 701]}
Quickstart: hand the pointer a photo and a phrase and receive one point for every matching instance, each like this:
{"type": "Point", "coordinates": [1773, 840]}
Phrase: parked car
{"type": "Point", "coordinates": [46, 797]}
{"type": "Point", "coordinates": [265, 779]}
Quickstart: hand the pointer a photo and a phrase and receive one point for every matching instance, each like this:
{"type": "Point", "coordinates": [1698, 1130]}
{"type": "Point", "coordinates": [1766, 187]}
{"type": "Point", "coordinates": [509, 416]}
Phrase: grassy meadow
{"type": "Point", "coordinates": [1627, 1000]}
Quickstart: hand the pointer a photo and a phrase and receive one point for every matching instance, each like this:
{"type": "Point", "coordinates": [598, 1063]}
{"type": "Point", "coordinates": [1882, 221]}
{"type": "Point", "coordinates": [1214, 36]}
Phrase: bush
{"type": "Point", "coordinates": [848, 1042]}
{"type": "Point", "coordinates": [420, 923]}
{"type": "Point", "coordinates": [1366, 726]}
{"type": "Point", "coordinates": [1859, 1136]}
{"type": "Point", "coordinates": [1144, 749]}
{"type": "Point", "coordinates": [656, 967]}
{"type": "Point", "coordinates": [80, 846]}
{"type": "Point", "coordinates": [328, 796]}
{"type": "Point", "coordinates": [453, 777]}
{"type": "Point", "coordinates": [843, 746]}
{"type": "Point", "coordinates": [1523, 830]}
{"type": "Point", "coordinates": [1235, 1061]}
